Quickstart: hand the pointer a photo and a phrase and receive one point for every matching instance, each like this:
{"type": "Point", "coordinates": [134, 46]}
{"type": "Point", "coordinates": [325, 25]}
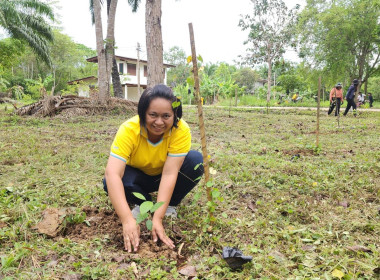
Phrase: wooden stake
{"type": "Point", "coordinates": [318, 107]}
{"type": "Point", "coordinates": [236, 97]}
{"type": "Point", "coordinates": [200, 113]}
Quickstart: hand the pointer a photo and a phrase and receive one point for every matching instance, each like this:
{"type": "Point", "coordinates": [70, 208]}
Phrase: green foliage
{"type": "Point", "coordinates": [145, 208]}
{"type": "Point", "coordinates": [68, 61]}
{"type": "Point", "coordinates": [270, 30]}
{"type": "Point", "coordinates": [341, 37]}
{"type": "Point", "coordinates": [37, 88]}
{"type": "Point", "coordinates": [29, 21]}
{"type": "Point", "coordinates": [178, 75]}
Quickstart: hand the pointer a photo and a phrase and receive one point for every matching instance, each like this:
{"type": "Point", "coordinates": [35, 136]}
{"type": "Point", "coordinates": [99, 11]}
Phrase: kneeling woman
{"type": "Point", "coordinates": [151, 152]}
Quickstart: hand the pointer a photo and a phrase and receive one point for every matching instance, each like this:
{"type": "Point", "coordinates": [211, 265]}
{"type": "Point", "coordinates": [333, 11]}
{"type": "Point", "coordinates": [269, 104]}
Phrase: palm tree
{"type": "Point", "coordinates": [27, 20]}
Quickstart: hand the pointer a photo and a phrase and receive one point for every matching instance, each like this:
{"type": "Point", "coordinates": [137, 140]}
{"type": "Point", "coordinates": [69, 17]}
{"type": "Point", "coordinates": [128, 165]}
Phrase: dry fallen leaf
{"type": "Point", "coordinates": [359, 248]}
{"type": "Point", "coordinates": [188, 270]}
{"type": "Point", "coordinates": [344, 203]}
{"type": "Point", "coordinates": [252, 206]}
{"type": "Point", "coordinates": [134, 267]}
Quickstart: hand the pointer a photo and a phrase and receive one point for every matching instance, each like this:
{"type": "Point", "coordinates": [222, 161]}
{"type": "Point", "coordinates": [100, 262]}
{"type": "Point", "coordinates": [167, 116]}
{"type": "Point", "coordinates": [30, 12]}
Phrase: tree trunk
{"type": "Point", "coordinates": [269, 78]}
{"type": "Point", "coordinates": [110, 43]}
{"type": "Point", "coordinates": [156, 71]}
{"type": "Point", "coordinates": [103, 78]}
{"type": "Point", "coordinates": [110, 47]}
{"type": "Point", "coordinates": [117, 89]}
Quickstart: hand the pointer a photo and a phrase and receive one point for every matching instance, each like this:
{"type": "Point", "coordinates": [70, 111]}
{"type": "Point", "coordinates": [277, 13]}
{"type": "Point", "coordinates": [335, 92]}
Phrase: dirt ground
{"type": "Point", "coordinates": [105, 223]}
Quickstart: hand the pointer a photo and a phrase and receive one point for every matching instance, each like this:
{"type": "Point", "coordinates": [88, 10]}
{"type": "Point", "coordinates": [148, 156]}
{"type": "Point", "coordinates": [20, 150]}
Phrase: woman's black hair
{"type": "Point", "coordinates": [159, 91]}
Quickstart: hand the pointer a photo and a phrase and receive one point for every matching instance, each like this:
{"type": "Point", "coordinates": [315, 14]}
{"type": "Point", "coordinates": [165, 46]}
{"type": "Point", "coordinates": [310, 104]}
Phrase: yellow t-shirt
{"type": "Point", "coordinates": [131, 145]}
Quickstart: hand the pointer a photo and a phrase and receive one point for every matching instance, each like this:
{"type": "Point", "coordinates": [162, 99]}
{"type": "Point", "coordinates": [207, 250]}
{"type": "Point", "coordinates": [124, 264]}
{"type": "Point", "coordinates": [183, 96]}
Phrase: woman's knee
{"type": "Point", "coordinates": [193, 163]}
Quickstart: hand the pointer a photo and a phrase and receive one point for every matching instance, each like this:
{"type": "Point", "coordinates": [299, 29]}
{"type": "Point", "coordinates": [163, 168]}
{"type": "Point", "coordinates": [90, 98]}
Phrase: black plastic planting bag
{"type": "Point", "coordinates": [234, 257]}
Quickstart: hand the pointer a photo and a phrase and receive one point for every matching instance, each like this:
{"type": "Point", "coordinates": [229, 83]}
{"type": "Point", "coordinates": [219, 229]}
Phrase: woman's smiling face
{"type": "Point", "coordinates": [159, 118]}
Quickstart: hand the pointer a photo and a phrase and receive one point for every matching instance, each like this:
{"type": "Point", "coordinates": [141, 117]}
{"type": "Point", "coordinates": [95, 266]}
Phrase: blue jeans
{"type": "Point", "coordinates": [134, 180]}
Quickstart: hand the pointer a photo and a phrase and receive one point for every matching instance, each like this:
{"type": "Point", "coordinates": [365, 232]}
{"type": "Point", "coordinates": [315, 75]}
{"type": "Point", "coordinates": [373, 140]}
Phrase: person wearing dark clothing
{"type": "Point", "coordinates": [370, 99]}
{"type": "Point", "coordinates": [350, 97]}
{"type": "Point", "coordinates": [336, 99]}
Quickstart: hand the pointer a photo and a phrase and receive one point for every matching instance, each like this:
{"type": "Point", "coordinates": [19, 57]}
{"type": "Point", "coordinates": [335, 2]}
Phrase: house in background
{"type": "Point", "coordinates": [85, 86]}
{"type": "Point", "coordinates": [128, 77]}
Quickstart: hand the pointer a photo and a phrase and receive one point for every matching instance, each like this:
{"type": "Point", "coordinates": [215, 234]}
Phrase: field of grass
{"type": "Point", "coordinates": [301, 211]}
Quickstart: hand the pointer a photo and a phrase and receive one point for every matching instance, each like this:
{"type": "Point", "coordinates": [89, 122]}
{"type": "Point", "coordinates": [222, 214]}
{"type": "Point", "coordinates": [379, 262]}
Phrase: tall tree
{"type": "Point", "coordinates": [110, 45]}
{"type": "Point", "coordinates": [177, 75]}
{"type": "Point", "coordinates": [156, 71]}
{"type": "Point", "coordinates": [103, 75]}
{"type": "Point", "coordinates": [153, 33]}
{"type": "Point", "coordinates": [28, 20]}
{"type": "Point", "coordinates": [342, 37]}
{"type": "Point", "coordinates": [269, 33]}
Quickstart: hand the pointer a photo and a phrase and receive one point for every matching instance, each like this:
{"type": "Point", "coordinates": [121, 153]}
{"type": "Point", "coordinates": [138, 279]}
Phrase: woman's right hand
{"type": "Point", "coordinates": [131, 235]}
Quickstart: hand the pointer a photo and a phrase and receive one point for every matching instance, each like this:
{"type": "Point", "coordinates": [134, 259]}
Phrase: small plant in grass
{"type": "Point", "coordinates": [145, 208]}
{"type": "Point", "coordinates": [215, 194]}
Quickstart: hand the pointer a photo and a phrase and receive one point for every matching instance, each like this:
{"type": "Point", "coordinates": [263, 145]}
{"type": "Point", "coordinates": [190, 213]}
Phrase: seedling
{"type": "Point", "coordinates": [145, 208]}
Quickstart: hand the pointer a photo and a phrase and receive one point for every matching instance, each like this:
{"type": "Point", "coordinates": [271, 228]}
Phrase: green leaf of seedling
{"type": "Point", "coordinates": [197, 196]}
{"type": "Point", "coordinates": [224, 215]}
{"type": "Point", "coordinates": [141, 217]}
{"type": "Point", "coordinates": [139, 195]}
{"type": "Point", "coordinates": [215, 193]}
{"type": "Point", "coordinates": [197, 179]}
{"type": "Point", "coordinates": [200, 58]}
{"type": "Point", "coordinates": [176, 104]}
{"type": "Point", "coordinates": [209, 184]}
{"type": "Point", "coordinates": [149, 224]}
{"type": "Point", "coordinates": [197, 166]}
{"type": "Point", "coordinates": [156, 206]}
{"type": "Point", "coordinates": [146, 206]}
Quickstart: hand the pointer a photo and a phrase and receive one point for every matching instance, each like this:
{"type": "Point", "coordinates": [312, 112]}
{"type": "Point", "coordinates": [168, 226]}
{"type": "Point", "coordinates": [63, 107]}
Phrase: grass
{"type": "Point", "coordinates": [297, 209]}
{"type": "Point", "coordinates": [250, 100]}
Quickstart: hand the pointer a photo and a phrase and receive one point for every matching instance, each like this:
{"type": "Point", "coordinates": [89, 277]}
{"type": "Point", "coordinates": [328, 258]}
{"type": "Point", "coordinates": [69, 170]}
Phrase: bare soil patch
{"type": "Point", "coordinates": [105, 223]}
{"type": "Point", "coordinates": [303, 152]}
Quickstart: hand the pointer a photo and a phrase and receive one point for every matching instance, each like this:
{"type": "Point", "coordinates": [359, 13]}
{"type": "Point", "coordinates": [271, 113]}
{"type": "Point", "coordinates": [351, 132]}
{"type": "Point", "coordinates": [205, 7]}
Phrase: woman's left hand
{"type": "Point", "coordinates": [158, 231]}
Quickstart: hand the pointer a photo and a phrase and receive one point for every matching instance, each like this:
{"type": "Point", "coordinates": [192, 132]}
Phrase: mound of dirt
{"type": "Point", "coordinates": [107, 224]}
{"type": "Point", "coordinates": [72, 105]}
{"type": "Point", "coordinates": [295, 152]}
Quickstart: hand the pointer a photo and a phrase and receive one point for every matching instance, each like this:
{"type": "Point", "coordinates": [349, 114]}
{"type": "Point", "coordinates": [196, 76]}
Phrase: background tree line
{"type": "Point", "coordinates": [338, 40]}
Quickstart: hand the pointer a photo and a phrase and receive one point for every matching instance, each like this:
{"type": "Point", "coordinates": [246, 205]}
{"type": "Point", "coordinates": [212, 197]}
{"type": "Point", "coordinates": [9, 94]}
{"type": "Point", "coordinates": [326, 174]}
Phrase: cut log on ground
{"type": "Point", "coordinates": [72, 105]}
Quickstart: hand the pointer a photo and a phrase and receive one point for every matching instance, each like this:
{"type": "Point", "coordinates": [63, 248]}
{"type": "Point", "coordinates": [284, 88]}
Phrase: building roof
{"type": "Point", "coordinates": [82, 80]}
{"type": "Point", "coordinates": [127, 59]}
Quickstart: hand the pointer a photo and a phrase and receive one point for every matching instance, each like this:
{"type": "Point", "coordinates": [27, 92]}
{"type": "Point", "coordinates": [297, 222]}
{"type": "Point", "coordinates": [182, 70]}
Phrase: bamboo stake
{"type": "Point", "coordinates": [236, 97]}
{"type": "Point", "coordinates": [200, 114]}
{"type": "Point", "coordinates": [318, 107]}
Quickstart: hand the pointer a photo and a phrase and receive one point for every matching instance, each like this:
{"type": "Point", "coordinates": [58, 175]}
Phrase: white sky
{"type": "Point", "coordinates": [217, 35]}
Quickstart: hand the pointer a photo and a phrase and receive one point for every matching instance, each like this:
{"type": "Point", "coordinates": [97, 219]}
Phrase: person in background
{"type": "Point", "coordinates": [360, 99]}
{"type": "Point", "coordinates": [151, 152]}
{"type": "Point", "coordinates": [350, 97]}
{"type": "Point", "coordinates": [336, 99]}
{"type": "Point", "coordinates": [370, 99]}
{"type": "Point", "coordinates": [295, 97]}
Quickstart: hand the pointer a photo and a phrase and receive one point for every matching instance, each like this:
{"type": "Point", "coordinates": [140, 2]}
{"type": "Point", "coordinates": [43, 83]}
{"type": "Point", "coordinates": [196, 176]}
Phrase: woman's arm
{"type": "Point", "coordinates": [165, 192]}
{"type": "Point", "coordinates": [131, 230]}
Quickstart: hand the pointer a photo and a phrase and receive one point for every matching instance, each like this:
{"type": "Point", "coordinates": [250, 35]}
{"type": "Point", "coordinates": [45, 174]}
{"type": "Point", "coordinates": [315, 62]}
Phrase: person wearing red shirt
{"type": "Point", "coordinates": [336, 99]}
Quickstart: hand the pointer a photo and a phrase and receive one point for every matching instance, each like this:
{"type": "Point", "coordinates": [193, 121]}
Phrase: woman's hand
{"type": "Point", "coordinates": [158, 231]}
{"type": "Point", "coordinates": [131, 235]}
